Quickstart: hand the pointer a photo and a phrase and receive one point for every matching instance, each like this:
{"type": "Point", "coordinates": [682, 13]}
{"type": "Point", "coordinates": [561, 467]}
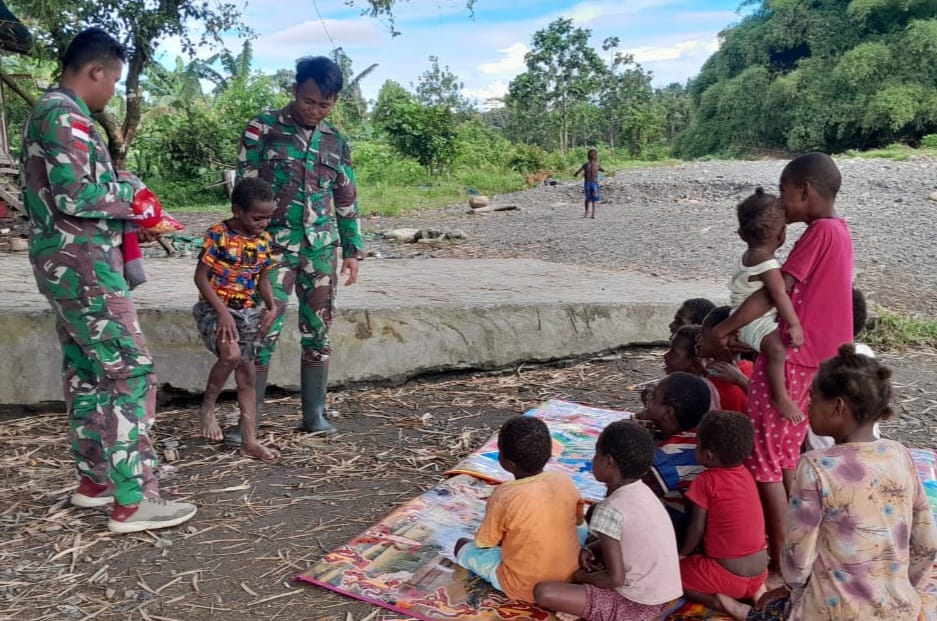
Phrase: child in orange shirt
{"type": "Point", "coordinates": [529, 533]}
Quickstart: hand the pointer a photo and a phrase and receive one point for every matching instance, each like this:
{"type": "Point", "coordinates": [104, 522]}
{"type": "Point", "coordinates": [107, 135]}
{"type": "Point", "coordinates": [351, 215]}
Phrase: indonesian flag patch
{"type": "Point", "coordinates": [81, 133]}
{"type": "Point", "coordinates": [253, 131]}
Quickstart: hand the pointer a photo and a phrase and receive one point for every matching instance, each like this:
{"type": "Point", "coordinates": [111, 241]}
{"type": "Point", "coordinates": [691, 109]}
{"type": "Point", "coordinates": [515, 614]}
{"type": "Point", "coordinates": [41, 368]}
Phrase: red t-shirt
{"type": "Point", "coordinates": [821, 262]}
{"type": "Point", "coordinates": [735, 524]}
{"type": "Point", "coordinates": [731, 397]}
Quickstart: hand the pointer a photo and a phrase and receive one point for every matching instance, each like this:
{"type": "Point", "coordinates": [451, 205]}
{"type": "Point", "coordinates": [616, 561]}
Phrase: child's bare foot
{"type": "Point", "coordinates": [736, 609]}
{"type": "Point", "coordinates": [209, 424]}
{"type": "Point", "coordinates": [259, 451]}
{"type": "Point", "coordinates": [789, 410]}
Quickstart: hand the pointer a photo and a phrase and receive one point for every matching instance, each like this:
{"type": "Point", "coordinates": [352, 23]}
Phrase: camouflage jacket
{"type": "Point", "coordinates": [308, 169]}
{"type": "Point", "coordinates": [75, 204]}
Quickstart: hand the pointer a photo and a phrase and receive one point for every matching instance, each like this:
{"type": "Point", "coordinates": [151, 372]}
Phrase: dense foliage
{"type": "Point", "coordinates": [830, 75]}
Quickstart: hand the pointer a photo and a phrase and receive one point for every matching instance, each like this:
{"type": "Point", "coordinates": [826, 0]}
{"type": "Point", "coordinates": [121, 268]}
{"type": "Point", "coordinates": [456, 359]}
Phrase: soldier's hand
{"type": "Point", "coordinates": [227, 331]}
{"type": "Point", "coordinates": [146, 235]}
{"type": "Point", "coordinates": [350, 269]}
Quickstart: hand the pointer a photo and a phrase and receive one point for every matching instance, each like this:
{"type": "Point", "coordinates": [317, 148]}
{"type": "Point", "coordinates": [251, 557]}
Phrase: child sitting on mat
{"type": "Point", "coordinates": [725, 516]}
{"type": "Point", "coordinates": [728, 375]}
{"type": "Point", "coordinates": [673, 410]}
{"type": "Point", "coordinates": [691, 313]}
{"type": "Point", "coordinates": [683, 356]}
{"type": "Point", "coordinates": [529, 533]}
{"type": "Point", "coordinates": [631, 570]}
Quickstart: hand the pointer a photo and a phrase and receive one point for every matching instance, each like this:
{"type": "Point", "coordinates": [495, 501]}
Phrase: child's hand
{"type": "Point", "coordinates": [227, 331]}
{"type": "Point", "coordinates": [789, 410]}
{"type": "Point", "coordinates": [266, 323]}
{"type": "Point", "coordinates": [587, 560]}
{"type": "Point", "coordinates": [796, 335]}
{"type": "Point", "coordinates": [728, 372]}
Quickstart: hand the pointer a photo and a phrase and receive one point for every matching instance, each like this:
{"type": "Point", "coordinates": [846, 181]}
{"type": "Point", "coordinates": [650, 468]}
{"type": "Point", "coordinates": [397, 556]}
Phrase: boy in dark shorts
{"type": "Point", "coordinates": [233, 266]}
{"type": "Point", "coordinates": [590, 174]}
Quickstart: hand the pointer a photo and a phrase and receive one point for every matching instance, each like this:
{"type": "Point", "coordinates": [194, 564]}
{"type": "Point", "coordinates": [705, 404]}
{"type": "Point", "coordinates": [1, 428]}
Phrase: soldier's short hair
{"type": "Point", "coordinates": [249, 191]}
{"type": "Point", "coordinates": [323, 71]}
{"type": "Point", "coordinates": [90, 45]}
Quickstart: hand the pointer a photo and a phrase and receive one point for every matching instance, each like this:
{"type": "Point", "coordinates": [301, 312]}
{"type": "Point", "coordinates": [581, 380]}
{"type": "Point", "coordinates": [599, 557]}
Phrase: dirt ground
{"type": "Point", "coordinates": [260, 524]}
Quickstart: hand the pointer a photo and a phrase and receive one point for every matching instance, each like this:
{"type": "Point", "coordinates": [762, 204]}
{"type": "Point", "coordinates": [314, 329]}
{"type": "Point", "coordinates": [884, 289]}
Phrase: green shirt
{"type": "Point", "coordinates": [76, 206]}
{"type": "Point", "coordinates": [309, 169]}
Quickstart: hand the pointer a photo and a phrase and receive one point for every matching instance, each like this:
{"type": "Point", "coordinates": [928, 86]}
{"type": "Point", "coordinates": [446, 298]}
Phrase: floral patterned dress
{"type": "Point", "coordinates": [861, 538]}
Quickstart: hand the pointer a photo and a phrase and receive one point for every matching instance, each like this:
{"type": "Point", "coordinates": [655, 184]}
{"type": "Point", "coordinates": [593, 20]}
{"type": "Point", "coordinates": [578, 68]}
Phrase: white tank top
{"type": "Point", "coordinates": [741, 288]}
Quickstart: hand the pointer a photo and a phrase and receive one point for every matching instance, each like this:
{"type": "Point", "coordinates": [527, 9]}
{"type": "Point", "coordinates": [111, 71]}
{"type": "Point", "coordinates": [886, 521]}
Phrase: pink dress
{"type": "Point", "coordinates": [821, 263]}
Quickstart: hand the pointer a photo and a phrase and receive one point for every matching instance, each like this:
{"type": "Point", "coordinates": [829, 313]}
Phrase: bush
{"type": "Point", "coordinates": [929, 141]}
{"type": "Point", "coordinates": [527, 158]}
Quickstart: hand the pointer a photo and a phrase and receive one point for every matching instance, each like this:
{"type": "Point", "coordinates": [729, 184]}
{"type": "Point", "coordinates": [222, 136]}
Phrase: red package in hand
{"type": "Point", "coordinates": [146, 208]}
{"type": "Point", "coordinates": [167, 224]}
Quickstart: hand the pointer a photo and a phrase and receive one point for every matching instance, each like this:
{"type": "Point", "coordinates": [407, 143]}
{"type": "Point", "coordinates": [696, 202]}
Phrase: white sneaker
{"type": "Point", "coordinates": [150, 514]}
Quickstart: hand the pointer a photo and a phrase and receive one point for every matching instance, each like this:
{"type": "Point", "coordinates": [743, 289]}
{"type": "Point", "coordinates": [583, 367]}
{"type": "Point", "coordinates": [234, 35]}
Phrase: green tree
{"type": "Point", "coordinates": [626, 91]}
{"type": "Point", "coordinates": [428, 134]}
{"type": "Point", "coordinates": [562, 70]}
{"type": "Point", "coordinates": [141, 26]}
{"type": "Point", "coordinates": [438, 86]}
{"type": "Point", "coordinates": [390, 94]}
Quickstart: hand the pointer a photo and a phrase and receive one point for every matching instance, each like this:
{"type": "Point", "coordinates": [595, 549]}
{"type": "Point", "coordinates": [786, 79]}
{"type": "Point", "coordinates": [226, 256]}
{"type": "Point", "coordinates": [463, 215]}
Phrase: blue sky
{"type": "Point", "coordinates": [671, 38]}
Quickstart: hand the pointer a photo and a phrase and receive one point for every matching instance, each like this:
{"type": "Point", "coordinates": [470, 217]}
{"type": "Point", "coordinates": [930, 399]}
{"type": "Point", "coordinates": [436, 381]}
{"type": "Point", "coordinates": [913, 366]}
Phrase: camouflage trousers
{"type": "Point", "coordinates": [110, 393]}
{"type": "Point", "coordinates": [312, 273]}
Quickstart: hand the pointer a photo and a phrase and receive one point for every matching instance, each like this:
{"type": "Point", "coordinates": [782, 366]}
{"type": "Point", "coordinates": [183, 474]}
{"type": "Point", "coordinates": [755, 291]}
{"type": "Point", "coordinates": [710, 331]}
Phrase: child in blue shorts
{"type": "Point", "coordinates": [590, 174]}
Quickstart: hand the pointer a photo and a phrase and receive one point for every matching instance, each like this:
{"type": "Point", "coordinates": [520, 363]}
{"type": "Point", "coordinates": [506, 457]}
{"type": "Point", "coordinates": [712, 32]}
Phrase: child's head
{"type": "Point", "coordinates": [682, 353]}
{"type": "Point", "coordinates": [624, 452]}
{"type": "Point", "coordinates": [849, 391]}
{"type": "Point", "coordinates": [860, 314]}
{"type": "Point", "coordinates": [252, 205]}
{"type": "Point", "coordinates": [691, 312]}
{"type": "Point", "coordinates": [808, 188]}
{"type": "Point", "coordinates": [678, 403]}
{"type": "Point", "coordinates": [707, 345]}
{"type": "Point", "coordinates": [724, 439]}
{"type": "Point", "coordinates": [592, 155]}
{"type": "Point", "coordinates": [524, 446]}
{"type": "Point", "coordinates": [761, 220]}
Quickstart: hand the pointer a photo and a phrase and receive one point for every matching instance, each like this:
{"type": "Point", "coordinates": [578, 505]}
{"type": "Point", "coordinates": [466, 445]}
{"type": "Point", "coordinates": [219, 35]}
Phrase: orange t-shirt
{"type": "Point", "coordinates": [534, 521]}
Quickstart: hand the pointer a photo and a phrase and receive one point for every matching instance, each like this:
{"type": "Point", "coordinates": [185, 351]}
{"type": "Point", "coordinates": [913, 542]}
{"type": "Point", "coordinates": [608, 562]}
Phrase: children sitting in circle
{"type": "Point", "coordinates": [861, 538]}
{"type": "Point", "coordinates": [630, 568]}
{"type": "Point", "coordinates": [725, 516]}
{"type": "Point", "coordinates": [529, 532]}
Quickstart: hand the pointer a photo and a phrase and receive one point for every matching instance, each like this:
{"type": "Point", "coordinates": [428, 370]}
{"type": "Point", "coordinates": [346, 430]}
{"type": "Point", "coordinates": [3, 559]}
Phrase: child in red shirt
{"type": "Point", "coordinates": [818, 278]}
{"type": "Point", "coordinates": [730, 377]}
{"type": "Point", "coordinates": [725, 516]}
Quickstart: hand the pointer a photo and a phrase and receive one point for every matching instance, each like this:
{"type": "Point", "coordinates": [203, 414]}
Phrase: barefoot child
{"type": "Point", "coordinates": [728, 375]}
{"type": "Point", "coordinates": [761, 226]}
{"type": "Point", "coordinates": [725, 516]}
{"type": "Point", "coordinates": [818, 278]}
{"type": "Point", "coordinates": [631, 570]}
{"type": "Point", "coordinates": [528, 534]}
{"type": "Point", "coordinates": [590, 174]}
{"type": "Point", "coordinates": [233, 265]}
{"type": "Point", "coordinates": [861, 538]}
{"type": "Point", "coordinates": [691, 313]}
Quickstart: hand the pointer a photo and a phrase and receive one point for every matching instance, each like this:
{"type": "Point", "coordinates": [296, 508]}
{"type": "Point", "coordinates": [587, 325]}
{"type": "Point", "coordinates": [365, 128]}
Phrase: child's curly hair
{"type": "Point", "coordinates": [862, 382]}
{"type": "Point", "coordinates": [729, 435]}
{"type": "Point", "coordinates": [526, 441]}
{"type": "Point", "coordinates": [630, 445]}
{"type": "Point", "coordinates": [698, 308]}
{"type": "Point", "coordinates": [759, 216]}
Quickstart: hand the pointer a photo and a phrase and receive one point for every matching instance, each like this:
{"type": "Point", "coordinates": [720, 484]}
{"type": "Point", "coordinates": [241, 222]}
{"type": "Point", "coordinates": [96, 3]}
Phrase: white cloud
{"type": "Point", "coordinates": [310, 37]}
{"type": "Point", "coordinates": [494, 90]}
{"type": "Point", "coordinates": [649, 54]}
{"type": "Point", "coordinates": [511, 63]}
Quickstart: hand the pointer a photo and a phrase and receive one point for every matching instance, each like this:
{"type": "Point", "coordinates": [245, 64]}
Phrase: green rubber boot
{"type": "Point", "coordinates": [314, 386]}
{"type": "Point", "coordinates": [233, 435]}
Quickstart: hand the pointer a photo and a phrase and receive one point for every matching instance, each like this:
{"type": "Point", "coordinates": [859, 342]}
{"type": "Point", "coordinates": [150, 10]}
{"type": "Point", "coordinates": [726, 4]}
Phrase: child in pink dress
{"type": "Point", "coordinates": [818, 278]}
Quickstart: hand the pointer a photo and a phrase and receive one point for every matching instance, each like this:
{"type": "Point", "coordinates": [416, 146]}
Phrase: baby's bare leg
{"type": "Point", "coordinates": [772, 346]}
{"type": "Point", "coordinates": [247, 400]}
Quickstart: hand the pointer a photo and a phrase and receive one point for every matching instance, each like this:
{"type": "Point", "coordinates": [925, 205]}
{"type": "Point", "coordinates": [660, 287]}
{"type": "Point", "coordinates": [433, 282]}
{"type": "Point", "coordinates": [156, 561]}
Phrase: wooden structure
{"type": "Point", "coordinates": [14, 38]}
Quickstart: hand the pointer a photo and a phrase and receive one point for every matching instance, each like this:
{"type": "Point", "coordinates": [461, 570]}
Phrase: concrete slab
{"type": "Point", "coordinates": [403, 318]}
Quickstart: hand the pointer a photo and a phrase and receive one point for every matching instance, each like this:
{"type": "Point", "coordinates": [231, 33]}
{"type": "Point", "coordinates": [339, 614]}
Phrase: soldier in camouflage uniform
{"type": "Point", "coordinates": [78, 211]}
{"type": "Point", "coordinates": [308, 163]}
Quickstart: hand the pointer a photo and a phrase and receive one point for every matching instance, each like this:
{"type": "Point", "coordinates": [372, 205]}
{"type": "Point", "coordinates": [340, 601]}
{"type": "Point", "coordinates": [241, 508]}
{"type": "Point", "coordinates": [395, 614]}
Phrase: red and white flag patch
{"type": "Point", "coordinates": [81, 133]}
{"type": "Point", "coordinates": [253, 131]}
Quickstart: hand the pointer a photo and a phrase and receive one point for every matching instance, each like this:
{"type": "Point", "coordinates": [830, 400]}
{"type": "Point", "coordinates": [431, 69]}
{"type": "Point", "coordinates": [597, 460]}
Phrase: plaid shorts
{"type": "Point", "coordinates": [246, 320]}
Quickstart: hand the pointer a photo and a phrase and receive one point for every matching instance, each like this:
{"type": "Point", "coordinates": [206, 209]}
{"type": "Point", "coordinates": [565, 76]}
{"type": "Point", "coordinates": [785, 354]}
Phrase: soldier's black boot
{"type": "Point", "coordinates": [314, 385]}
{"type": "Point", "coordinates": [233, 436]}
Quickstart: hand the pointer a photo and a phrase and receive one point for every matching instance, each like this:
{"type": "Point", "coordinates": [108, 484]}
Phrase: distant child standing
{"type": "Point", "coordinates": [590, 174]}
{"type": "Point", "coordinates": [725, 516]}
{"type": "Point", "coordinates": [818, 279]}
{"type": "Point", "coordinates": [232, 266]}
{"type": "Point", "coordinates": [529, 532]}
{"type": "Point", "coordinates": [631, 571]}
{"type": "Point", "coordinates": [761, 226]}
{"type": "Point", "coordinates": [861, 538]}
